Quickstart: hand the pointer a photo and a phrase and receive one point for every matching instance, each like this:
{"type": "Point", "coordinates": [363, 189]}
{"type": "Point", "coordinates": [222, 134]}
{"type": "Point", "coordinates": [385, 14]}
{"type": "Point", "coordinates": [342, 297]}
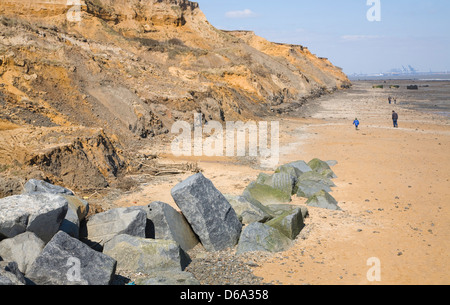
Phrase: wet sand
{"type": "Point", "coordinates": [393, 186]}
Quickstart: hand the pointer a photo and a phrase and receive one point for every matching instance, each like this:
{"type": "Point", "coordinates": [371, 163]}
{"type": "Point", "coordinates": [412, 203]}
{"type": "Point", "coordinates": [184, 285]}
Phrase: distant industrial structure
{"type": "Point", "coordinates": [404, 72]}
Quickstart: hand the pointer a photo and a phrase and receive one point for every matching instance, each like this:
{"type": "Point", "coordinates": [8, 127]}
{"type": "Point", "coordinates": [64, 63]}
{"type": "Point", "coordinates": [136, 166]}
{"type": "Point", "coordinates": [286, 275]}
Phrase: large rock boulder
{"type": "Point", "coordinates": [145, 255]}
{"type": "Point", "coordinates": [265, 194]}
{"type": "Point", "coordinates": [208, 212]}
{"type": "Point", "coordinates": [323, 200]}
{"type": "Point", "coordinates": [41, 213]}
{"type": "Point", "coordinates": [317, 177]}
{"type": "Point", "coordinates": [102, 227]}
{"type": "Point", "coordinates": [39, 186]}
{"type": "Point", "coordinates": [322, 168]}
{"type": "Point", "coordinates": [77, 209]}
{"type": "Point", "coordinates": [22, 249]}
{"type": "Point", "coordinates": [262, 237]}
{"type": "Point", "coordinates": [247, 211]}
{"type": "Point", "coordinates": [300, 167]}
{"type": "Point", "coordinates": [164, 222]}
{"type": "Point", "coordinates": [284, 181]}
{"type": "Point", "coordinates": [67, 261]}
{"type": "Point", "coordinates": [290, 223]}
{"type": "Point", "coordinates": [307, 188]}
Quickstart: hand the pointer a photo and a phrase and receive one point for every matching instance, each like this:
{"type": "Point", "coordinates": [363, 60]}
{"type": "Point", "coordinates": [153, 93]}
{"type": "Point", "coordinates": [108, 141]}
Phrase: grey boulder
{"type": "Point", "coordinates": [208, 212]}
{"type": "Point", "coordinates": [323, 200]}
{"type": "Point", "coordinates": [39, 186]}
{"type": "Point", "coordinates": [22, 249]}
{"type": "Point", "coordinates": [145, 255]}
{"type": "Point", "coordinates": [265, 194]}
{"type": "Point", "coordinates": [307, 188]}
{"type": "Point", "coordinates": [290, 223]}
{"type": "Point", "coordinates": [164, 222]}
{"type": "Point", "coordinates": [262, 237]}
{"type": "Point", "coordinates": [68, 261]}
{"type": "Point", "coordinates": [322, 168]}
{"type": "Point", "coordinates": [317, 177]}
{"type": "Point", "coordinates": [102, 227]}
{"type": "Point", "coordinates": [299, 167]}
{"type": "Point", "coordinates": [41, 213]}
{"type": "Point", "coordinates": [247, 211]}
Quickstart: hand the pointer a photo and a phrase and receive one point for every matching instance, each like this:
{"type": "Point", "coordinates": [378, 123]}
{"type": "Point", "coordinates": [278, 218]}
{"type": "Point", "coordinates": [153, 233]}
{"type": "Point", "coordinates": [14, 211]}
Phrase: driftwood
{"type": "Point", "coordinates": [155, 168]}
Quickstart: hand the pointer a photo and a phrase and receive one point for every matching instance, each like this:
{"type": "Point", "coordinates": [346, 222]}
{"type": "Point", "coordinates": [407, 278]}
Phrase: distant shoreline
{"type": "Point", "coordinates": [412, 77]}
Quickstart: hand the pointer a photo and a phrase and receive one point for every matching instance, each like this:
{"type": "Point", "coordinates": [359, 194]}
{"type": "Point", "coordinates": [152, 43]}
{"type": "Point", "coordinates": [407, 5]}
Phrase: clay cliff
{"type": "Point", "coordinates": [103, 74]}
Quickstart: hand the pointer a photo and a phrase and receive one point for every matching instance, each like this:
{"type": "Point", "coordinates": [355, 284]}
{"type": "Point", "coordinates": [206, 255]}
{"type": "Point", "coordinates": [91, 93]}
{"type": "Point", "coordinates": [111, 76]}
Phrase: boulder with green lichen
{"type": "Point", "coordinates": [321, 167]}
{"type": "Point", "coordinates": [290, 223]}
{"type": "Point", "coordinates": [323, 200]}
{"type": "Point", "coordinates": [247, 211]}
{"type": "Point", "coordinates": [261, 237]}
{"type": "Point", "coordinates": [265, 194]}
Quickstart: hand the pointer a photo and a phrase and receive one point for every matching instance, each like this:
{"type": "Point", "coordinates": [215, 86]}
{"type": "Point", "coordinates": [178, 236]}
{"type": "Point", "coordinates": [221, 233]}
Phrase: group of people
{"type": "Point", "coordinates": [394, 115]}
{"type": "Point", "coordinates": [390, 100]}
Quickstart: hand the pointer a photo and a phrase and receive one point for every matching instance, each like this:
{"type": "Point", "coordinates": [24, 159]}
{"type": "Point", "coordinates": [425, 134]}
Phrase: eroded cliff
{"type": "Point", "coordinates": [133, 67]}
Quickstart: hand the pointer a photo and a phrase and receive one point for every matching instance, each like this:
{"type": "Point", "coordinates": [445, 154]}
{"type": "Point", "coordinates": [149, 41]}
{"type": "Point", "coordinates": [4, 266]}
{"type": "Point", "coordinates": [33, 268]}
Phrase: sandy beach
{"type": "Point", "coordinates": [392, 185]}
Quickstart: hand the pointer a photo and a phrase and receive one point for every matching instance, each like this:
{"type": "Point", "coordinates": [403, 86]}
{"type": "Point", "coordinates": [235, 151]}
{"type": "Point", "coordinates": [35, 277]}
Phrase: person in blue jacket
{"type": "Point", "coordinates": [356, 123]}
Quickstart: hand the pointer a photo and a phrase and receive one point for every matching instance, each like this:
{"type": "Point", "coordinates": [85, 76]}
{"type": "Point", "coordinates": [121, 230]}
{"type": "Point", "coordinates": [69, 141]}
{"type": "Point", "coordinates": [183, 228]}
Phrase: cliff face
{"type": "Point", "coordinates": [133, 67]}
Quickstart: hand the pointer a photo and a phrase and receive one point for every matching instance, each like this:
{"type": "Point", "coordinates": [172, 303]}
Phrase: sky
{"type": "Point", "coordinates": [360, 36]}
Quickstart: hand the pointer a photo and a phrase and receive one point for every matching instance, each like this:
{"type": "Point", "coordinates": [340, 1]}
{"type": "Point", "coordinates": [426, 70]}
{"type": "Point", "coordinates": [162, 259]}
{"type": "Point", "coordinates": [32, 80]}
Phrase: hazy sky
{"type": "Point", "coordinates": [410, 32]}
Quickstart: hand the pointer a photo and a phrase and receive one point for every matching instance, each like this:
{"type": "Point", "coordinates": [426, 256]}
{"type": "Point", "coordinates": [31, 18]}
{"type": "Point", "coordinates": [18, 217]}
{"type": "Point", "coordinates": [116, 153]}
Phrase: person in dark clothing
{"type": "Point", "coordinates": [395, 118]}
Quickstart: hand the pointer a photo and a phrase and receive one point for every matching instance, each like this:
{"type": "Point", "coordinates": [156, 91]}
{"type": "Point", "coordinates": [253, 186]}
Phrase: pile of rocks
{"type": "Point", "coordinates": [311, 180]}
{"type": "Point", "coordinates": [271, 223]}
{"type": "Point", "coordinates": [47, 238]}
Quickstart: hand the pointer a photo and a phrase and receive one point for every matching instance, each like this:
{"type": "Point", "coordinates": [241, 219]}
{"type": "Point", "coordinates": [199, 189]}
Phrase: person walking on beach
{"type": "Point", "coordinates": [356, 123]}
{"type": "Point", "coordinates": [395, 118]}
{"type": "Point", "coordinates": [390, 99]}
